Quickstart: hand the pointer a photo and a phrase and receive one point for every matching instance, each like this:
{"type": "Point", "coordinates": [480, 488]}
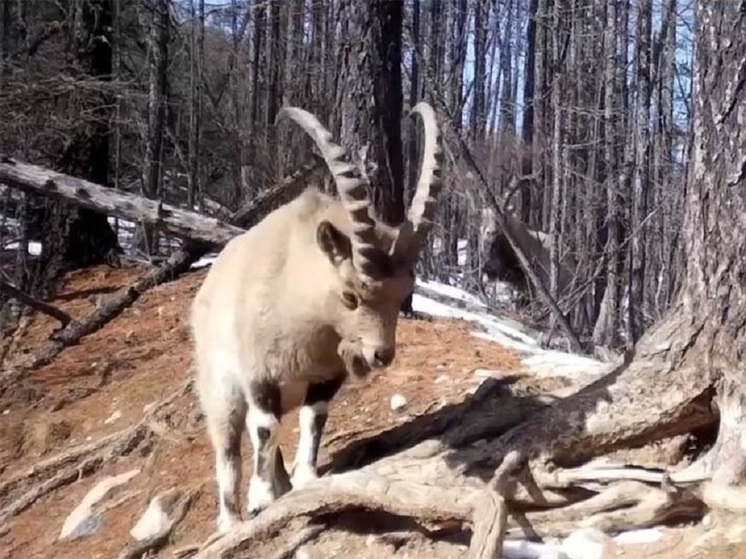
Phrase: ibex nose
{"type": "Point", "coordinates": [384, 356]}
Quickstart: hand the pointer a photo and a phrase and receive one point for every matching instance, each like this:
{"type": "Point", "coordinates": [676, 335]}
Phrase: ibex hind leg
{"type": "Point", "coordinates": [224, 406]}
{"type": "Point", "coordinates": [270, 479]}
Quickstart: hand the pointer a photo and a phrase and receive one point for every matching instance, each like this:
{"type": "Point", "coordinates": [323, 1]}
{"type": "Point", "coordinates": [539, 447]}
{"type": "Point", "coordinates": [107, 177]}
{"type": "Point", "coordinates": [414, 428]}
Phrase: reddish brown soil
{"type": "Point", "coordinates": [144, 355]}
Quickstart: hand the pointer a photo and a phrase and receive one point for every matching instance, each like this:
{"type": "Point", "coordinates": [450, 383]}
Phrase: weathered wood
{"type": "Point", "coordinates": [34, 303]}
{"type": "Point", "coordinates": [176, 264]}
{"type": "Point", "coordinates": [182, 223]}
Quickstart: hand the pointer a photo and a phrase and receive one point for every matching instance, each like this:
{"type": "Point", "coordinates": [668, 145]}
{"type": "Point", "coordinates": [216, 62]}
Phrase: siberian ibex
{"type": "Point", "coordinates": [293, 306]}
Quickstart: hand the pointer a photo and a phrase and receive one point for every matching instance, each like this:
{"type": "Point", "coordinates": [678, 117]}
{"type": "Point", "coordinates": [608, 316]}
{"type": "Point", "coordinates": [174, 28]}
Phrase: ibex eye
{"type": "Point", "coordinates": [350, 299]}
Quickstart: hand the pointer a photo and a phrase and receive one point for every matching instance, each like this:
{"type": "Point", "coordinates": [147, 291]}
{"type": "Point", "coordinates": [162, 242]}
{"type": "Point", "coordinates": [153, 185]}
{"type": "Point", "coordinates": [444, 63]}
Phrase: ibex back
{"type": "Point", "coordinates": [292, 307]}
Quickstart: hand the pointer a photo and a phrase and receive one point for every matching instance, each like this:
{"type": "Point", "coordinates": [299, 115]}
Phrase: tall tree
{"type": "Point", "coordinates": [75, 237]}
{"type": "Point", "coordinates": [371, 71]}
{"type": "Point", "coordinates": [641, 169]}
{"type": "Point", "coordinates": [712, 304]}
{"type": "Point", "coordinates": [158, 38]}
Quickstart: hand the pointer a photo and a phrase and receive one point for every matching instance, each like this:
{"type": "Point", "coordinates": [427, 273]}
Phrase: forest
{"type": "Point", "coordinates": [594, 171]}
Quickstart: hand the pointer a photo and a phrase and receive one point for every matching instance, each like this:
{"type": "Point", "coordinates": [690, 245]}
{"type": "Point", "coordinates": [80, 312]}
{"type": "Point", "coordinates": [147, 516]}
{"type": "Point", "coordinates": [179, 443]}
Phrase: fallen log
{"type": "Point", "coordinates": [178, 263]}
{"type": "Point", "coordinates": [51, 184]}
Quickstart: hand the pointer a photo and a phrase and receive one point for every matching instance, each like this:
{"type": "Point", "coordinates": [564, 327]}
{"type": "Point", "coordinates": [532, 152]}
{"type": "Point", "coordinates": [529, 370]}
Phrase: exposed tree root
{"type": "Point", "coordinates": [623, 506]}
{"type": "Point", "coordinates": [70, 466]}
{"type": "Point", "coordinates": [299, 539]}
{"type": "Point", "coordinates": [154, 543]}
{"type": "Point", "coordinates": [568, 478]}
{"type": "Point", "coordinates": [332, 495]}
{"type": "Point", "coordinates": [468, 461]}
{"type": "Point", "coordinates": [493, 409]}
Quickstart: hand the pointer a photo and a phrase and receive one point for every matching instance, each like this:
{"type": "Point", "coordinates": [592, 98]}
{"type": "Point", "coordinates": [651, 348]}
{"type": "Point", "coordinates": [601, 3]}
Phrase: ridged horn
{"type": "Point", "coordinates": [351, 187]}
{"type": "Point", "coordinates": [422, 209]}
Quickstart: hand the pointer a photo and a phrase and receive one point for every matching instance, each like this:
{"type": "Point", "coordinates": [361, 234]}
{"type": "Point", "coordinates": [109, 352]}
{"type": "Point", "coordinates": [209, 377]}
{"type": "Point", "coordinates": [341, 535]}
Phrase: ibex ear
{"type": "Point", "coordinates": [335, 244]}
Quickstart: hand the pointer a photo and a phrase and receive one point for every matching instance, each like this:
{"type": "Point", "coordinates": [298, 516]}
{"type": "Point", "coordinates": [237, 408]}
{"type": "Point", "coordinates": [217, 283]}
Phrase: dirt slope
{"type": "Point", "coordinates": [145, 355]}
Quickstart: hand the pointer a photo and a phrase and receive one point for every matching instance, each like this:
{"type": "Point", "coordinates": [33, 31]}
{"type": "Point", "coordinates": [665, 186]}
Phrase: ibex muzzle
{"type": "Point", "coordinates": [292, 307]}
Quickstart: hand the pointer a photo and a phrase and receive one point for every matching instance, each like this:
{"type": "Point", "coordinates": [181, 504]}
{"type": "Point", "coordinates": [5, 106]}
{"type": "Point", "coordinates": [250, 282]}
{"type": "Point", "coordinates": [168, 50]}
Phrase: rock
{"type": "Point", "coordinates": [586, 543]}
{"type": "Point", "coordinates": [442, 379]}
{"type": "Point", "coordinates": [158, 516]}
{"type": "Point", "coordinates": [86, 518]}
{"type": "Point", "coordinates": [483, 373]}
{"type": "Point", "coordinates": [113, 417]}
{"type": "Point", "coordinates": [398, 402]}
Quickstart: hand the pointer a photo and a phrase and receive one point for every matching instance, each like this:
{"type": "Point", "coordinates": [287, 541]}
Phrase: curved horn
{"type": "Point", "coordinates": [350, 185]}
{"type": "Point", "coordinates": [429, 185]}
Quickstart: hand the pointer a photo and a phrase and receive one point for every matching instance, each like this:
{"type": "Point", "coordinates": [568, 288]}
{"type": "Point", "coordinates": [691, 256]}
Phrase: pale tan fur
{"type": "Point", "coordinates": [309, 294]}
{"type": "Point", "coordinates": [274, 299]}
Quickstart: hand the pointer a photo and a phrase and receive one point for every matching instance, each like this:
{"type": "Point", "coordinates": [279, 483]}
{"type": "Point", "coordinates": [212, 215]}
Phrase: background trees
{"type": "Point", "coordinates": [573, 115]}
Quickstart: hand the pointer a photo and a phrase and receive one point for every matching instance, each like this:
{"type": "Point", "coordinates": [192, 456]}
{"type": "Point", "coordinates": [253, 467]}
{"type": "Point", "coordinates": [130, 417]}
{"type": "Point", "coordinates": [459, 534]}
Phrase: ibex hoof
{"type": "Point", "coordinates": [302, 477]}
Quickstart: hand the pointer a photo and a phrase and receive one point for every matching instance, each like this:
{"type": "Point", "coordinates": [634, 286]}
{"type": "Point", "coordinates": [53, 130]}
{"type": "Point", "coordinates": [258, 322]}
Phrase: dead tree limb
{"type": "Point", "coordinates": [27, 487]}
{"type": "Point", "coordinates": [182, 223]}
{"type": "Point", "coordinates": [178, 263]}
{"type": "Point", "coordinates": [36, 304]}
{"type": "Point", "coordinates": [516, 232]}
{"type": "Point", "coordinates": [366, 491]}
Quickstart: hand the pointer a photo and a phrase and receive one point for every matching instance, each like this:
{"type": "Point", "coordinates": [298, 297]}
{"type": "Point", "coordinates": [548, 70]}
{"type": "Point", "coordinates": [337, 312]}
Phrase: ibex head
{"type": "Point", "coordinates": [372, 263]}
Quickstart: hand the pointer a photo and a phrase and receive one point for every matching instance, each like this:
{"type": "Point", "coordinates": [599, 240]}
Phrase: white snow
{"type": "Point", "coordinates": [34, 247]}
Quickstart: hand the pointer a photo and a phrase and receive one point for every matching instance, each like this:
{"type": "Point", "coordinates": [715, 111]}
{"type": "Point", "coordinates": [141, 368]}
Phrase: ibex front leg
{"type": "Point", "coordinates": [269, 480]}
{"type": "Point", "coordinates": [312, 419]}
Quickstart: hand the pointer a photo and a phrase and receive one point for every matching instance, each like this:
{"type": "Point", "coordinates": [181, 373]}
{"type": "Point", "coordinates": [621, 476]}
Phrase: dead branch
{"type": "Point", "coordinates": [182, 223]}
{"type": "Point", "coordinates": [176, 264]}
{"type": "Point", "coordinates": [155, 542]}
{"type": "Point", "coordinates": [625, 506]}
{"type": "Point", "coordinates": [368, 491]}
{"type": "Point", "coordinates": [567, 478]}
{"type": "Point", "coordinates": [491, 411]}
{"type": "Point", "coordinates": [297, 540]}
{"type": "Point", "coordinates": [72, 465]}
{"type": "Point", "coordinates": [249, 214]}
{"type": "Point", "coordinates": [36, 304]}
{"type": "Point", "coordinates": [516, 232]}
{"type": "Point", "coordinates": [110, 309]}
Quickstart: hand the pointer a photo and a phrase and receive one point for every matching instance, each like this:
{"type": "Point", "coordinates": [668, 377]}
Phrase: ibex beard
{"type": "Point", "coordinates": [293, 307]}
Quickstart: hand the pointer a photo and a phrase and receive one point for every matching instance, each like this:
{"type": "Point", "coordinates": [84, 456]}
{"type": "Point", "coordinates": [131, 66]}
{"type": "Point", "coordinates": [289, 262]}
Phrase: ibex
{"type": "Point", "coordinates": [296, 304]}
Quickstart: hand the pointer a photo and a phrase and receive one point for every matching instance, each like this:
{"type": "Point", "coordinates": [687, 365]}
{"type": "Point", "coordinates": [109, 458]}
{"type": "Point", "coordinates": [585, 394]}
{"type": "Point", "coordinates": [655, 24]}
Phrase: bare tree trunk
{"type": "Point", "coordinates": [555, 215]}
{"type": "Point", "coordinates": [663, 163]}
{"type": "Point", "coordinates": [158, 39]}
{"type": "Point", "coordinates": [479, 107]}
{"type": "Point", "coordinates": [5, 41]}
{"type": "Point", "coordinates": [713, 300]}
{"type": "Point", "coordinates": [605, 331]}
{"type": "Point", "coordinates": [527, 128]}
{"type": "Point", "coordinates": [641, 173]}
{"type": "Point", "coordinates": [82, 237]}
{"type": "Point", "coordinates": [371, 69]}
{"type": "Point", "coordinates": [196, 52]}
{"type": "Point", "coordinates": [507, 100]}
{"type": "Point", "coordinates": [258, 27]}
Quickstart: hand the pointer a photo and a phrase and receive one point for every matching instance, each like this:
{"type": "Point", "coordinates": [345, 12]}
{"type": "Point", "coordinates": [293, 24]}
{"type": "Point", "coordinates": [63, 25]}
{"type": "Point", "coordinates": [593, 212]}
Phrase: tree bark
{"type": "Point", "coordinates": [78, 237]}
{"type": "Point", "coordinates": [371, 70]}
{"type": "Point", "coordinates": [713, 297]}
{"type": "Point", "coordinates": [95, 198]}
{"type": "Point", "coordinates": [158, 38]}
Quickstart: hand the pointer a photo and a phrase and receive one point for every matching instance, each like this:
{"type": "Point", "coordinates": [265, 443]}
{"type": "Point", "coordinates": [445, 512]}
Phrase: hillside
{"type": "Point", "coordinates": [111, 384]}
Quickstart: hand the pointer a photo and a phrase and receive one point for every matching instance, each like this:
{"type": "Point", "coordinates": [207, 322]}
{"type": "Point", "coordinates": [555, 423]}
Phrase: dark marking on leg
{"type": "Point", "coordinates": [312, 418]}
{"type": "Point", "coordinates": [323, 391]}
